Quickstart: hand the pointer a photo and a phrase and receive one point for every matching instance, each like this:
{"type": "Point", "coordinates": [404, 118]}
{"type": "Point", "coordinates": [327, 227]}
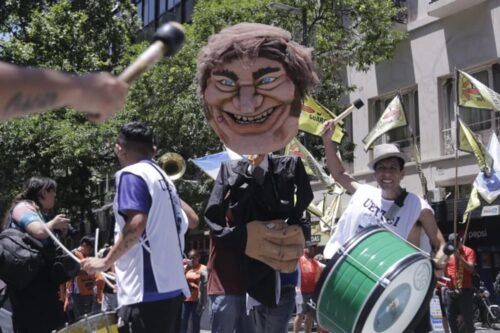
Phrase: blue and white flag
{"type": "Point", "coordinates": [210, 164]}
{"type": "Point", "coordinates": [488, 186]}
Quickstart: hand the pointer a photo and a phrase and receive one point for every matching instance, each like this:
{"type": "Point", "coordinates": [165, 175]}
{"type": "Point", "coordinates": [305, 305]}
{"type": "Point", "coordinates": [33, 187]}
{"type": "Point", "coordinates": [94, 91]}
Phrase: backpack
{"type": "Point", "coordinates": [21, 257]}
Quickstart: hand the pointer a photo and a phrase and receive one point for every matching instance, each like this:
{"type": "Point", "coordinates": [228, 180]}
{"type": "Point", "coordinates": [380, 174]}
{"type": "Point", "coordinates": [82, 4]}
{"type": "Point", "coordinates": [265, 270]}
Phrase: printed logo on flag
{"type": "Point", "coordinates": [470, 93]}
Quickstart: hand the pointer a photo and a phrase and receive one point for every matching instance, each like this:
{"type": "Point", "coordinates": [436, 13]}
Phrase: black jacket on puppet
{"type": "Point", "coordinates": [284, 193]}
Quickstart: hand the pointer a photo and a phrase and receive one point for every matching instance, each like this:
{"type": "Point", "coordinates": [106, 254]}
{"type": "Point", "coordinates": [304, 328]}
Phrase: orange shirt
{"type": "Point", "coordinates": [193, 277]}
{"type": "Point", "coordinates": [310, 271]}
{"type": "Point", "coordinates": [468, 254]}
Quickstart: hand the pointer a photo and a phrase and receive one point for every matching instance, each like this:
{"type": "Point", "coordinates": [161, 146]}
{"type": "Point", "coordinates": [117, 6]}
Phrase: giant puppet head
{"type": "Point", "coordinates": [252, 78]}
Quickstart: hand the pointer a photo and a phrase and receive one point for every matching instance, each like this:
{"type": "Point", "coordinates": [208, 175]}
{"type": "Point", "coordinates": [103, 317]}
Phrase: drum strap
{"type": "Point", "coordinates": [396, 206]}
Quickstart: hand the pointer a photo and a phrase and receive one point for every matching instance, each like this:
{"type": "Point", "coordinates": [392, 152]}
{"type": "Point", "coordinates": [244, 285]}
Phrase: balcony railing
{"type": "Point", "coordinates": [444, 8]}
{"type": "Point", "coordinates": [484, 136]}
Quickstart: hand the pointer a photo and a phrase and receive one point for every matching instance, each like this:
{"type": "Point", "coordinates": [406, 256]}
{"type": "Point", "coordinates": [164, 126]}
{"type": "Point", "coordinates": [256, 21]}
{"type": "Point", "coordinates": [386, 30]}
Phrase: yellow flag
{"type": "Point", "coordinates": [312, 166]}
{"type": "Point", "coordinates": [294, 148]}
{"type": "Point", "coordinates": [472, 93]}
{"type": "Point", "coordinates": [314, 210]}
{"type": "Point", "coordinates": [313, 116]}
{"type": "Point", "coordinates": [468, 142]}
{"type": "Point", "coordinates": [473, 203]}
{"type": "Point", "coordinates": [331, 211]}
{"type": "Point", "coordinates": [392, 117]}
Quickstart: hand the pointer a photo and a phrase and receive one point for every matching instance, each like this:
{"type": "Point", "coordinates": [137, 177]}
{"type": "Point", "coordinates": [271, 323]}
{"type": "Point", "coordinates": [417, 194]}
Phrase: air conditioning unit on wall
{"type": "Point", "coordinates": [438, 194]}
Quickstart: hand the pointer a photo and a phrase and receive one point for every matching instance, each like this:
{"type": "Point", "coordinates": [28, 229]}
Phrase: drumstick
{"type": "Point", "coordinates": [96, 241]}
{"type": "Point", "coordinates": [106, 280]}
{"type": "Point", "coordinates": [58, 242]}
{"type": "Point", "coordinates": [357, 104]}
{"type": "Point", "coordinates": [68, 252]}
{"type": "Point", "coordinates": [448, 250]}
{"type": "Point", "coordinates": [168, 39]}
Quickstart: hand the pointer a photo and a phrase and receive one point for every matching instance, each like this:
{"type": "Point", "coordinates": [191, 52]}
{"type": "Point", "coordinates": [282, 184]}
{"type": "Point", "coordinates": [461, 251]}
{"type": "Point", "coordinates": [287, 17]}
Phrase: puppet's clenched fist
{"type": "Point", "coordinates": [275, 243]}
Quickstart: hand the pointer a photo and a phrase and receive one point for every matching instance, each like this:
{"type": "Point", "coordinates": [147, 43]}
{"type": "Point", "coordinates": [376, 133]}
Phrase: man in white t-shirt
{"type": "Point", "coordinates": [369, 205]}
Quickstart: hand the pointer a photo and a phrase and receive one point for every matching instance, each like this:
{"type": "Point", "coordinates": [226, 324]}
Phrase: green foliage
{"type": "Point", "coordinates": [75, 36]}
{"type": "Point", "coordinates": [92, 35]}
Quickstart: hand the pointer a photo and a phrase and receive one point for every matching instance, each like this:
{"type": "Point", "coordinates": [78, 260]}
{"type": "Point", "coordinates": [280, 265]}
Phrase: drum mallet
{"type": "Point", "coordinates": [168, 39]}
{"type": "Point", "coordinates": [357, 104]}
{"type": "Point", "coordinates": [448, 250]}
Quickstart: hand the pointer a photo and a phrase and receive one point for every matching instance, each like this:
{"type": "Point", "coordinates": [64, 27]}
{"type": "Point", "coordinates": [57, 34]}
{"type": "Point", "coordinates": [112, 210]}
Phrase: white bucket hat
{"type": "Point", "coordinates": [384, 151]}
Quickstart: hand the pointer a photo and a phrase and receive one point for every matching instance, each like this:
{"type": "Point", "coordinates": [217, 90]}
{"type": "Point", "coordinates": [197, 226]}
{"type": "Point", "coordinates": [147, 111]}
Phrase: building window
{"type": "Point", "coordinates": [163, 6]}
{"type": "Point", "coordinates": [400, 136]}
{"type": "Point", "coordinates": [139, 10]}
{"type": "Point", "coordinates": [173, 3]}
{"type": "Point", "coordinates": [148, 12]}
{"type": "Point", "coordinates": [482, 122]}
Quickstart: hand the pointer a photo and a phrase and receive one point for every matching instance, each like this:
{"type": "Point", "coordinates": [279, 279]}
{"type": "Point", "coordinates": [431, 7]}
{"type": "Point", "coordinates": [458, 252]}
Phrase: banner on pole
{"type": "Point", "coordinates": [474, 94]}
{"type": "Point", "coordinates": [392, 117]}
{"type": "Point", "coordinates": [313, 116]}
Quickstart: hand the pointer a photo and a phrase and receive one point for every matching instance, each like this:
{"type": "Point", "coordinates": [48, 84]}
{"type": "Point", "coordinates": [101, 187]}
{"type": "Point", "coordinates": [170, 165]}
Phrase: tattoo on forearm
{"type": "Point", "coordinates": [22, 102]}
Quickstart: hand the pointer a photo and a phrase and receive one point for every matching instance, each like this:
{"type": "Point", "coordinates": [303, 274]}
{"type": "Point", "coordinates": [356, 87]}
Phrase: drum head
{"type": "Point", "coordinates": [377, 283]}
{"type": "Point", "coordinates": [401, 300]}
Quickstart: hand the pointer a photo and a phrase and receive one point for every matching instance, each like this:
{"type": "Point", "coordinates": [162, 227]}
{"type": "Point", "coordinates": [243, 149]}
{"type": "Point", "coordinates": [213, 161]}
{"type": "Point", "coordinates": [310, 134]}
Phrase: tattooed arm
{"type": "Point", "coordinates": [136, 223]}
{"type": "Point", "coordinates": [29, 90]}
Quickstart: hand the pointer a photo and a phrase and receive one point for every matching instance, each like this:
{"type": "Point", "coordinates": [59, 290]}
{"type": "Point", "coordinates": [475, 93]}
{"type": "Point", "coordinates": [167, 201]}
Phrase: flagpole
{"type": "Point", "coordinates": [455, 201]}
{"type": "Point", "coordinates": [466, 232]}
{"type": "Point", "coordinates": [416, 154]}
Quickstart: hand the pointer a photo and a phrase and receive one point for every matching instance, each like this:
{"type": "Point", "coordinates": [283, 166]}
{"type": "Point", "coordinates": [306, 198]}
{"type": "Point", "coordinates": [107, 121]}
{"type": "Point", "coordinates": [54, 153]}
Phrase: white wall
{"type": "Point", "coordinates": [433, 49]}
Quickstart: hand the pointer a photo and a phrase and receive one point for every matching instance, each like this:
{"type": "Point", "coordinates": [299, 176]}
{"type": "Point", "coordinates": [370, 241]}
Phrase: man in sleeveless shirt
{"type": "Point", "coordinates": [369, 204]}
{"type": "Point", "coordinates": [149, 234]}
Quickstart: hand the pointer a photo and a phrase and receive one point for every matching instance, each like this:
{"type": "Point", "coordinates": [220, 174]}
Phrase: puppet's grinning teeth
{"type": "Point", "coordinates": [243, 120]}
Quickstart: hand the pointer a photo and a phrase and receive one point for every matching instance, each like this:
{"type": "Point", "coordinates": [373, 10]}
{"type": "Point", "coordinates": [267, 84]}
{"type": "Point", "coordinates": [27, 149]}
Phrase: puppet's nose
{"type": "Point", "coordinates": [247, 100]}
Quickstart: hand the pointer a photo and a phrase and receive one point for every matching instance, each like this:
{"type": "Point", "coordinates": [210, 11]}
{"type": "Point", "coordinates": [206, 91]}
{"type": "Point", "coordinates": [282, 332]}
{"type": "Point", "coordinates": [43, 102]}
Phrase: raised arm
{"type": "Point", "coordinates": [333, 162]}
{"type": "Point", "coordinates": [26, 91]}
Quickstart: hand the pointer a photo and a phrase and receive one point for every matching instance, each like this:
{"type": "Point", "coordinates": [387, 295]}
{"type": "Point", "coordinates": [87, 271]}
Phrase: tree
{"type": "Point", "coordinates": [87, 35]}
{"type": "Point", "coordinates": [75, 36]}
{"type": "Point", "coordinates": [343, 33]}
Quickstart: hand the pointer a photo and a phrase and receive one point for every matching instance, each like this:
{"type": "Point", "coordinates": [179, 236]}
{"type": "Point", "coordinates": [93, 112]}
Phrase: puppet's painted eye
{"type": "Point", "coordinates": [267, 80]}
{"type": "Point", "coordinates": [227, 83]}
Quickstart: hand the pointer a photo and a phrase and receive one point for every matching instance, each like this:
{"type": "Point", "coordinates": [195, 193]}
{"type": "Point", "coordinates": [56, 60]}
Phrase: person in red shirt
{"type": "Point", "coordinates": [310, 271]}
{"type": "Point", "coordinates": [80, 296]}
{"type": "Point", "coordinates": [196, 274]}
{"type": "Point", "coordinates": [459, 270]}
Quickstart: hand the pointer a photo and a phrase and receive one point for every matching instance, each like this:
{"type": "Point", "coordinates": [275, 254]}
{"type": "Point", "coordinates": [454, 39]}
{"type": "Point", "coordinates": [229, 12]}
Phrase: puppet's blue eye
{"type": "Point", "coordinates": [267, 80]}
{"type": "Point", "coordinates": [227, 83]}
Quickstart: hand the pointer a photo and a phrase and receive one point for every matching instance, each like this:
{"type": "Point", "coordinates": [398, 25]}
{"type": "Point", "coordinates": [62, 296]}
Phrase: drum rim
{"type": "Point", "coordinates": [377, 291]}
{"type": "Point", "coordinates": [88, 318]}
{"type": "Point", "coordinates": [392, 273]}
{"type": "Point", "coordinates": [334, 261]}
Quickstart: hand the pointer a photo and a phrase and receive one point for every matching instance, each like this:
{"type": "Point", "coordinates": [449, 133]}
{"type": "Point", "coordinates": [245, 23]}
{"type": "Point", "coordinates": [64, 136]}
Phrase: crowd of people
{"type": "Point", "coordinates": [261, 266]}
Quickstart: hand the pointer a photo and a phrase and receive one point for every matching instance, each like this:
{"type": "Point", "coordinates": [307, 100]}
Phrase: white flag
{"type": "Point", "coordinates": [488, 186]}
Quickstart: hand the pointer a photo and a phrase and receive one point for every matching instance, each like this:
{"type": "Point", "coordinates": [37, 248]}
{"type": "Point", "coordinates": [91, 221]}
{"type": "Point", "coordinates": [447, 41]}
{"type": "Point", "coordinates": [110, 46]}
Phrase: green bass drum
{"type": "Point", "coordinates": [375, 283]}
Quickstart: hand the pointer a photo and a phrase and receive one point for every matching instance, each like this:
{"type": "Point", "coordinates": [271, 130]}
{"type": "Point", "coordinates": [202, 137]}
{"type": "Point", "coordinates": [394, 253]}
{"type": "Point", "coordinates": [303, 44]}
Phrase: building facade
{"type": "Point", "coordinates": [442, 35]}
{"type": "Point", "coordinates": [153, 13]}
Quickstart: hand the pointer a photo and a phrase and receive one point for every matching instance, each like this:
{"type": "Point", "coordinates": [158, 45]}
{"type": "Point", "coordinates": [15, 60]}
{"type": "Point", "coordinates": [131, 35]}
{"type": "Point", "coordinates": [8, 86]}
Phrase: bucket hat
{"type": "Point", "coordinates": [384, 151]}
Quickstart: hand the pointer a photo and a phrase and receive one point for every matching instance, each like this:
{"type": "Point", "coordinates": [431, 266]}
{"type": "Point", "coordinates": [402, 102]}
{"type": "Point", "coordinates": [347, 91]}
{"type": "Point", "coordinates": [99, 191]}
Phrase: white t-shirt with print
{"type": "Point", "coordinates": [367, 208]}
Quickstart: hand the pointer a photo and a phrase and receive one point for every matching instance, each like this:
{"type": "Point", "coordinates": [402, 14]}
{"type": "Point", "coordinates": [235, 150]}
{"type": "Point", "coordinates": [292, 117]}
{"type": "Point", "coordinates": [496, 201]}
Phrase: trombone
{"type": "Point", "coordinates": [173, 164]}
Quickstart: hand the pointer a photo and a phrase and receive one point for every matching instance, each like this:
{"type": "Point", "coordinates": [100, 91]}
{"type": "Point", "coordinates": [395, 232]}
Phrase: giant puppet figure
{"type": "Point", "coordinates": [252, 79]}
